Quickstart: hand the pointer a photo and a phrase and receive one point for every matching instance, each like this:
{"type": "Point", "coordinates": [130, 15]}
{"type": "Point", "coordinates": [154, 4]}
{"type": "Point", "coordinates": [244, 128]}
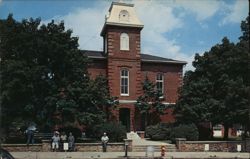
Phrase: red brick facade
{"type": "Point", "coordinates": [112, 60]}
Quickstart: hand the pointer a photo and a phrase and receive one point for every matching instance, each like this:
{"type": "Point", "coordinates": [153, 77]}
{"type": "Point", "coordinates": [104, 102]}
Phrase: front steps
{"type": "Point", "coordinates": [143, 145]}
{"type": "Point", "coordinates": [133, 136]}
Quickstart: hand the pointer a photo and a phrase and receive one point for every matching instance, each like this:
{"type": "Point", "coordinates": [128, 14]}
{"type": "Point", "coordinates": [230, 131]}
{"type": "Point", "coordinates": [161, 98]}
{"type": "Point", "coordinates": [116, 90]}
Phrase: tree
{"type": "Point", "coordinates": [243, 47]}
{"type": "Point", "coordinates": [150, 102]}
{"type": "Point", "coordinates": [44, 76]}
{"type": "Point", "coordinates": [217, 91]}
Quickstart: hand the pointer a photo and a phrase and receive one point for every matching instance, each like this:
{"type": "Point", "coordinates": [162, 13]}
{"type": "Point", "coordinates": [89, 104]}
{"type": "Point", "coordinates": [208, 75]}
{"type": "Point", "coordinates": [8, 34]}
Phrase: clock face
{"type": "Point", "coordinates": [124, 16]}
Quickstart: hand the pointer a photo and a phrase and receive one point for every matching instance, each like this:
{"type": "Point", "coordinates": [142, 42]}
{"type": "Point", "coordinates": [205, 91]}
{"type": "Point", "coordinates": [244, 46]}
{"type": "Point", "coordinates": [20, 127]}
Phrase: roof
{"type": "Point", "coordinates": [122, 14]}
{"type": "Point", "coordinates": [144, 57]}
{"type": "Point", "coordinates": [152, 58]}
{"type": "Point", "coordinates": [94, 54]}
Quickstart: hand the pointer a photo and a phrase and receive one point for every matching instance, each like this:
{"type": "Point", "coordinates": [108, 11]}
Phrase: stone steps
{"type": "Point", "coordinates": [133, 136]}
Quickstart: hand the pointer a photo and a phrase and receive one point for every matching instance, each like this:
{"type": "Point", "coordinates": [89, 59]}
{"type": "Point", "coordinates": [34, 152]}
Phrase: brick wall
{"type": "Point", "coordinates": [22, 147]}
{"type": "Point", "coordinates": [172, 82]}
{"type": "Point", "coordinates": [121, 59]}
{"type": "Point", "coordinates": [172, 78]}
{"type": "Point", "coordinates": [97, 67]}
{"type": "Point", "coordinates": [97, 147]}
{"type": "Point", "coordinates": [214, 146]}
{"type": "Point", "coordinates": [117, 59]}
{"type": "Point", "coordinates": [46, 147]}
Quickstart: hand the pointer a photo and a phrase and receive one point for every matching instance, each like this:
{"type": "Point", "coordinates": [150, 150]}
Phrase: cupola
{"type": "Point", "coordinates": [121, 14]}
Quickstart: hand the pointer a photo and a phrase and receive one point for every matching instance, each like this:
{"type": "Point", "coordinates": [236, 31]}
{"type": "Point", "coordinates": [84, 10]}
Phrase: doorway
{"type": "Point", "coordinates": [124, 117]}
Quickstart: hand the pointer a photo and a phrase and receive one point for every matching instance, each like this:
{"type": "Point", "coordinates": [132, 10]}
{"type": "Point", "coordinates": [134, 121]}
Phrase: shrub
{"type": "Point", "coordinates": [115, 131]}
{"type": "Point", "coordinates": [18, 140]}
{"type": "Point", "coordinates": [159, 131]}
{"type": "Point", "coordinates": [165, 131]}
{"type": "Point", "coordinates": [189, 131]}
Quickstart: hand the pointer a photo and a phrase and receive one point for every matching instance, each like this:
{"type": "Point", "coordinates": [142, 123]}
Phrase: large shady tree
{"type": "Point", "coordinates": [44, 77]}
{"type": "Point", "coordinates": [218, 90]}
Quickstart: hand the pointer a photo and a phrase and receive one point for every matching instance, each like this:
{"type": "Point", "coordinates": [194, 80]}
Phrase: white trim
{"type": "Point", "coordinates": [124, 41]}
{"type": "Point", "coordinates": [160, 81]}
{"type": "Point", "coordinates": [123, 94]}
{"type": "Point", "coordinates": [127, 101]}
{"type": "Point", "coordinates": [166, 103]}
{"type": "Point", "coordinates": [122, 101]}
{"type": "Point", "coordinates": [124, 24]}
{"type": "Point", "coordinates": [165, 61]}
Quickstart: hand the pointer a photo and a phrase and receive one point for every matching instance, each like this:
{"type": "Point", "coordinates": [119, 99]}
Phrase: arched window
{"type": "Point", "coordinates": [124, 41]}
{"type": "Point", "coordinates": [160, 82]}
{"type": "Point", "coordinates": [124, 16]}
{"type": "Point", "coordinates": [124, 83]}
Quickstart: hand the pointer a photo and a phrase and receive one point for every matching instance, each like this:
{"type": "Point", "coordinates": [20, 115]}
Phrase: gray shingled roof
{"type": "Point", "coordinates": [144, 57]}
{"type": "Point", "coordinates": [93, 54]}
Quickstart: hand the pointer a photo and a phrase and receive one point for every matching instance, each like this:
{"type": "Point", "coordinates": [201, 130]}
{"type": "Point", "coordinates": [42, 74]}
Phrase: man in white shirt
{"type": "Point", "coordinates": [55, 141]}
{"type": "Point", "coordinates": [105, 140]}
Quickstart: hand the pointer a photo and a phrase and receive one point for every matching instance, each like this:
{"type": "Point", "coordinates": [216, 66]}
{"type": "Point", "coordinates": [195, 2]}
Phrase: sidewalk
{"type": "Point", "coordinates": [120, 155]}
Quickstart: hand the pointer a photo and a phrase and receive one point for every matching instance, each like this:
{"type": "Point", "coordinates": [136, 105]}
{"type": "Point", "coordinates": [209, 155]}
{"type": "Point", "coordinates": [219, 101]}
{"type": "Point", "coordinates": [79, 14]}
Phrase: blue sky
{"type": "Point", "coordinates": [174, 29]}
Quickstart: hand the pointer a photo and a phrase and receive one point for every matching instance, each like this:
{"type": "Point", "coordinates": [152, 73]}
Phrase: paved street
{"type": "Point", "coordinates": [108, 155]}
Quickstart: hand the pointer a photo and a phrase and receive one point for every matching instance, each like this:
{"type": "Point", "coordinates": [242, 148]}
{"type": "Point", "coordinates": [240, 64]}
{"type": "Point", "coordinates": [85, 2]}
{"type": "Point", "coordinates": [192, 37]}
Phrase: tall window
{"type": "Point", "coordinates": [124, 82]}
{"type": "Point", "coordinates": [159, 82]}
{"type": "Point", "coordinates": [124, 41]}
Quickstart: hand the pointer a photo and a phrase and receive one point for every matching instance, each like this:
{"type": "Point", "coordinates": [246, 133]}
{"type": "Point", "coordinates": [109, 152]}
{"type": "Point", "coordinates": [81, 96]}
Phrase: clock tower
{"type": "Point", "coordinates": [122, 46]}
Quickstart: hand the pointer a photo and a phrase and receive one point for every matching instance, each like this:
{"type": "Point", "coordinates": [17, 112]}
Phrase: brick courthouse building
{"type": "Point", "coordinates": [126, 67]}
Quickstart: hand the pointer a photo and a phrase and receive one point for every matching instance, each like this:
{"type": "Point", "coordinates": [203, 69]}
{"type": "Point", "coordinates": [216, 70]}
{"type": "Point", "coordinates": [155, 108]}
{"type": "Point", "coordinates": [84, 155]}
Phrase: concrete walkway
{"type": "Point", "coordinates": [120, 155]}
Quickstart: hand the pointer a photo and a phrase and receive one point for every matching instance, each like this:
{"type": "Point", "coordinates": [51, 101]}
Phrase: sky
{"type": "Point", "coordinates": [176, 29]}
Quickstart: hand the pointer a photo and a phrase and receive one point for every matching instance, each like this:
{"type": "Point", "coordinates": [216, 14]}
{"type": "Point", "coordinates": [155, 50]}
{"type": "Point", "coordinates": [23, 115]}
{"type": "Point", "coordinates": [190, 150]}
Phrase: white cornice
{"type": "Point", "coordinates": [165, 61]}
{"type": "Point", "coordinates": [134, 101]}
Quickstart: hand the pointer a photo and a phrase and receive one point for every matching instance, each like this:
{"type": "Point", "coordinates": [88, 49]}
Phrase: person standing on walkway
{"type": "Point", "coordinates": [71, 140]}
{"type": "Point", "coordinates": [55, 141]}
{"type": "Point", "coordinates": [105, 140]}
{"type": "Point", "coordinates": [30, 137]}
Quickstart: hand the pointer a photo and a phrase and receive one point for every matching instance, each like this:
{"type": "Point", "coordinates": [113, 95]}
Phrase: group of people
{"type": "Point", "coordinates": [63, 142]}
{"type": "Point", "coordinates": [59, 141]}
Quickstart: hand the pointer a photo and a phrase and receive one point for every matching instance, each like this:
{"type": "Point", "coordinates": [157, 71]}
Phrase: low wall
{"type": "Point", "coordinates": [215, 146]}
{"type": "Point", "coordinates": [45, 146]}
{"type": "Point", "coordinates": [97, 147]}
{"type": "Point", "coordinates": [22, 147]}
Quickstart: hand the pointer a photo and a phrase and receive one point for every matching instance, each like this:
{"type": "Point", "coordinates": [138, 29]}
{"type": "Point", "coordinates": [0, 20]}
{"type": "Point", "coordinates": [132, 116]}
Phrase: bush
{"type": "Point", "coordinates": [159, 132]}
{"type": "Point", "coordinates": [189, 131]}
{"type": "Point", "coordinates": [165, 131]}
{"type": "Point", "coordinates": [18, 140]}
{"type": "Point", "coordinates": [115, 131]}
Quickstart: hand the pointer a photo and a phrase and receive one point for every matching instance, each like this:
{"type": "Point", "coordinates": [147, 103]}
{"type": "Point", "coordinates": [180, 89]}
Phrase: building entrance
{"type": "Point", "coordinates": [124, 117]}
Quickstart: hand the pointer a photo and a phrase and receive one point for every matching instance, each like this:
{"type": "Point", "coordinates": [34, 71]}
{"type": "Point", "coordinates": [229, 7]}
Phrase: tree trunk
{"type": "Point", "coordinates": [226, 128]}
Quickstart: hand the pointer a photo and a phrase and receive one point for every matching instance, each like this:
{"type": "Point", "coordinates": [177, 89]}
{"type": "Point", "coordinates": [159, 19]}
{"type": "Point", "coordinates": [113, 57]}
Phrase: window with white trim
{"type": "Point", "coordinates": [124, 41]}
{"type": "Point", "coordinates": [159, 82]}
{"type": "Point", "coordinates": [124, 85]}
